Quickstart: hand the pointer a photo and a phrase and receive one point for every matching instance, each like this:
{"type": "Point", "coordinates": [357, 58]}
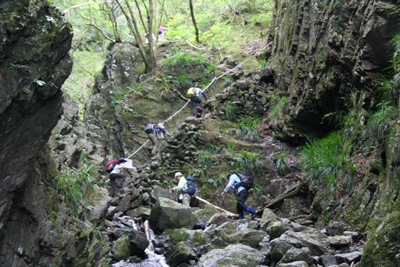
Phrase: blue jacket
{"type": "Point", "coordinates": [234, 180]}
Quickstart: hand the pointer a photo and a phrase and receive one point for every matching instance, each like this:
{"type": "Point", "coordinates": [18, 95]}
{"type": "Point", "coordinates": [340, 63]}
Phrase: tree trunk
{"type": "Point", "coordinates": [194, 21]}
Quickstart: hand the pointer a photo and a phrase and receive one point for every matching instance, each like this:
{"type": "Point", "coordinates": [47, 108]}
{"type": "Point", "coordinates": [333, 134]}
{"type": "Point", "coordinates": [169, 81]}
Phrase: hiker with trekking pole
{"type": "Point", "coordinates": [242, 182]}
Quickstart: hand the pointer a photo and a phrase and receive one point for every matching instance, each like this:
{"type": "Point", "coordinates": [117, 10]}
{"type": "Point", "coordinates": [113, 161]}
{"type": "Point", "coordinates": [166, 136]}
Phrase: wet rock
{"type": "Point", "coordinates": [235, 255]}
{"type": "Point", "coordinates": [179, 253]}
{"type": "Point", "coordinates": [168, 214]}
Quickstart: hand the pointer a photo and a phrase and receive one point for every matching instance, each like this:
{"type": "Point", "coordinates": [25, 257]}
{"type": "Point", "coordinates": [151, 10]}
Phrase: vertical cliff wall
{"type": "Point", "coordinates": [34, 41]}
{"type": "Point", "coordinates": [323, 50]}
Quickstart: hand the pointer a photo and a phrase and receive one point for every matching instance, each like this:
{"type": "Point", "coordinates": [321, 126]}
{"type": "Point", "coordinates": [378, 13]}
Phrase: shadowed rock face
{"type": "Point", "coordinates": [33, 65]}
{"type": "Point", "coordinates": [322, 52]}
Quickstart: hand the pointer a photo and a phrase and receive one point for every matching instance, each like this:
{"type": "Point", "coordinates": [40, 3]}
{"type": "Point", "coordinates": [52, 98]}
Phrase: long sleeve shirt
{"type": "Point", "coordinates": [157, 129]}
{"type": "Point", "coordinates": [199, 91]}
{"type": "Point", "coordinates": [182, 185]}
{"type": "Point", "coordinates": [118, 167]}
{"type": "Point", "coordinates": [234, 180]}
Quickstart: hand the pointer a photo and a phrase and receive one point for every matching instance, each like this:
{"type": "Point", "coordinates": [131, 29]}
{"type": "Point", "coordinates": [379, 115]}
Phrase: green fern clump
{"type": "Point", "coordinates": [277, 110]}
{"type": "Point", "coordinates": [252, 128]}
{"type": "Point", "coordinates": [282, 167]}
{"type": "Point", "coordinates": [249, 161]}
{"type": "Point", "coordinates": [379, 125]}
{"type": "Point", "coordinates": [230, 112]}
{"type": "Point", "coordinates": [325, 162]}
{"type": "Point", "coordinates": [205, 159]}
{"type": "Point", "coordinates": [185, 60]}
{"type": "Point", "coordinates": [227, 81]}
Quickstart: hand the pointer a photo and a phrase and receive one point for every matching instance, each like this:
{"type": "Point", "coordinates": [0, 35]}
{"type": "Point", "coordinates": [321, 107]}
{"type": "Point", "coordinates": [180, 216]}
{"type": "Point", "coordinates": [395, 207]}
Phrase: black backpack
{"type": "Point", "coordinates": [192, 188]}
{"type": "Point", "coordinates": [245, 180]}
{"type": "Point", "coordinates": [149, 128]}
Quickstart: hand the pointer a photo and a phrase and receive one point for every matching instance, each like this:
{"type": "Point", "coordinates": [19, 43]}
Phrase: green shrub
{"type": "Point", "coordinates": [325, 162]}
{"type": "Point", "coordinates": [75, 186]}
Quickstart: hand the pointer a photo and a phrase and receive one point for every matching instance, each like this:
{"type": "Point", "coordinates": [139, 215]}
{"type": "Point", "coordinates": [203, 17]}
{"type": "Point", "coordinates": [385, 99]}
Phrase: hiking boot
{"type": "Point", "coordinates": [241, 216]}
{"type": "Point", "coordinates": [253, 214]}
{"type": "Point", "coordinates": [195, 115]}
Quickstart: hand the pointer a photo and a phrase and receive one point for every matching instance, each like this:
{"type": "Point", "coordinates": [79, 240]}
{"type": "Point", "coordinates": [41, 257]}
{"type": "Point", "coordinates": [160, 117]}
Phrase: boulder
{"type": "Point", "coordinates": [235, 255]}
{"type": "Point", "coordinates": [248, 237]}
{"type": "Point", "coordinates": [168, 214]}
{"type": "Point", "coordinates": [101, 205]}
{"type": "Point", "coordinates": [158, 192]}
{"type": "Point", "coordinates": [297, 254]}
{"type": "Point", "coordinates": [218, 218]}
{"type": "Point", "coordinates": [276, 229]}
{"type": "Point", "coordinates": [178, 254]}
{"type": "Point", "coordinates": [121, 250]}
{"type": "Point", "coordinates": [294, 264]}
{"type": "Point", "coordinates": [340, 241]}
{"type": "Point", "coordinates": [349, 257]}
{"type": "Point", "coordinates": [279, 249]}
{"type": "Point", "coordinates": [314, 240]}
{"type": "Point", "coordinates": [206, 213]}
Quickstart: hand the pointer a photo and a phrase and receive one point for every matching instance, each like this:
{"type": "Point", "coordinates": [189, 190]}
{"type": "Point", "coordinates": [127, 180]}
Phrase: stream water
{"type": "Point", "coordinates": [153, 259]}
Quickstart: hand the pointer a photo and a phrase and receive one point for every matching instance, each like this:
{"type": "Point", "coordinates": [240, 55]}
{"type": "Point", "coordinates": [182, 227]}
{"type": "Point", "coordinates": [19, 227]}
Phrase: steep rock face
{"type": "Point", "coordinates": [125, 100]}
{"type": "Point", "coordinates": [34, 63]}
{"type": "Point", "coordinates": [323, 51]}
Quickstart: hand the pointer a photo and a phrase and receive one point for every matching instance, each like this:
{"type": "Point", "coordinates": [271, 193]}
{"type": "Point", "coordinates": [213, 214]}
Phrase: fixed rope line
{"type": "Point", "coordinates": [194, 45]}
{"type": "Point", "coordinates": [213, 80]}
{"type": "Point", "coordinates": [139, 149]}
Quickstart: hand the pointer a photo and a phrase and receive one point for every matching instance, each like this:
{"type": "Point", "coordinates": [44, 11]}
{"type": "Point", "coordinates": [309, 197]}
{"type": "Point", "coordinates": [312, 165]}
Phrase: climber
{"type": "Point", "coordinates": [182, 185]}
{"type": "Point", "coordinates": [194, 95]}
{"type": "Point", "coordinates": [154, 131]}
{"type": "Point", "coordinates": [116, 173]}
{"type": "Point", "coordinates": [242, 194]}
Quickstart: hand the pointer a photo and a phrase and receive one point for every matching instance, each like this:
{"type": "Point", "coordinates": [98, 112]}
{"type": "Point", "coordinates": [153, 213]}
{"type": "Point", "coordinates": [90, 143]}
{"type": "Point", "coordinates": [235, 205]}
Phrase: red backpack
{"type": "Point", "coordinates": [111, 165]}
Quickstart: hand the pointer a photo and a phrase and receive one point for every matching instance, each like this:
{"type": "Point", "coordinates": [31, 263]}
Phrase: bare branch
{"type": "Point", "coordinates": [101, 31]}
{"type": "Point", "coordinates": [76, 6]}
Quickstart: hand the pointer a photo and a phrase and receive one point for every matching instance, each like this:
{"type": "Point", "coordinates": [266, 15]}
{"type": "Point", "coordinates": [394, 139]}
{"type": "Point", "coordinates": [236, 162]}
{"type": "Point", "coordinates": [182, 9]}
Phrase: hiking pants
{"type": "Point", "coordinates": [153, 140]}
{"type": "Point", "coordinates": [186, 199]}
{"type": "Point", "coordinates": [113, 177]}
{"type": "Point", "coordinates": [241, 199]}
{"type": "Point", "coordinates": [195, 100]}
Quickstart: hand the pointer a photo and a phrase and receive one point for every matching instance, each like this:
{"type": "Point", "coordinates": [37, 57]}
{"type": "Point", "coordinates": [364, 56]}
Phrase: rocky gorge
{"type": "Point", "coordinates": [321, 52]}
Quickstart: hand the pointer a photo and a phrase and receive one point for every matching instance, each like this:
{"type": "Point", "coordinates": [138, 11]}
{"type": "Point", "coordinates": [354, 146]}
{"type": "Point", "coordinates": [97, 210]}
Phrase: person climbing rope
{"type": "Point", "coordinates": [194, 95]}
{"type": "Point", "coordinates": [241, 193]}
{"type": "Point", "coordinates": [116, 173]}
{"type": "Point", "coordinates": [182, 186]}
{"type": "Point", "coordinates": [153, 131]}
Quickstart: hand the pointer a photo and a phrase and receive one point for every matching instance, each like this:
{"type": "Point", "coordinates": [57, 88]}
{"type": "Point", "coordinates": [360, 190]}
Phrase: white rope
{"type": "Point", "coordinates": [138, 149]}
{"type": "Point", "coordinates": [194, 46]}
{"type": "Point", "coordinates": [215, 79]}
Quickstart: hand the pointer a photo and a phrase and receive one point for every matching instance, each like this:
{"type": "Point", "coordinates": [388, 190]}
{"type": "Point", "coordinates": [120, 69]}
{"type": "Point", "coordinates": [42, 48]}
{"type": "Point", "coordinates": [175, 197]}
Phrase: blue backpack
{"type": "Point", "coordinates": [192, 188]}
